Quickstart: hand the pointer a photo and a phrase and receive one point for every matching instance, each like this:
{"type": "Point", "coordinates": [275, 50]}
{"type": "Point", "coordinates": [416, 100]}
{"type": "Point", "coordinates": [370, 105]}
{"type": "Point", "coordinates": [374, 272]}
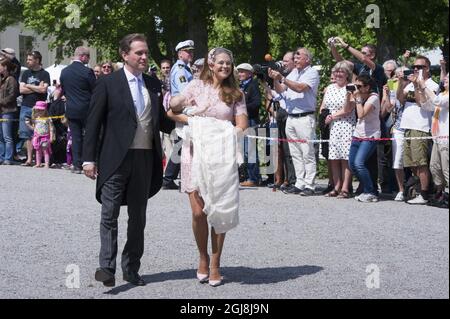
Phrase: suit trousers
{"type": "Point", "coordinates": [132, 182]}
{"type": "Point", "coordinates": [174, 164]}
{"type": "Point", "coordinates": [77, 127]}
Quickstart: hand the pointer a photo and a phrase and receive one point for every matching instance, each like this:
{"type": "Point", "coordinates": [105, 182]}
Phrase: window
{"type": "Point", "coordinates": [25, 45]}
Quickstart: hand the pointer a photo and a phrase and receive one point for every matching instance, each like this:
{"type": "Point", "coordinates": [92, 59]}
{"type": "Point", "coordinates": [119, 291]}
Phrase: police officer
{"type": "Point", "coordinates": [180, 76]}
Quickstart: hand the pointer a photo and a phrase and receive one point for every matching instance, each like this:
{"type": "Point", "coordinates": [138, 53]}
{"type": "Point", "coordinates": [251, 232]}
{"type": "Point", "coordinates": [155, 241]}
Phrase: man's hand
{"type": "Point", "coordinates": [90, 170]}
{"type": "Point", "coordinates": [275, 74]}
{"type": "Point", "coordinates": [339, 42]}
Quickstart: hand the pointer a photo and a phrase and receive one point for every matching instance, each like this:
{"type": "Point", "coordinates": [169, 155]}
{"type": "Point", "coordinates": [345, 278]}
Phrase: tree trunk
{"type": "Point", "coordinates": [444, 49]}
{"type": "Point", "coordinates": [260, 31]}
{"type": "Point", "coordinates": [385, 48]}
{"type": "Point", "coordinates": [198, 13]}
{"type": "Point", "coordinates": [153, 40]}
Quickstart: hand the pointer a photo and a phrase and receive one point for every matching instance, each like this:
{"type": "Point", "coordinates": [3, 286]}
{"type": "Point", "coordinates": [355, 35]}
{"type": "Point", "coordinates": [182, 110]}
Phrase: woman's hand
{"type": "Point", "coordinates": [329, 119]}
{"type": "Point", "coordinates": [179, 102]}
{"type": "Point", "coordinates": [386, 91]}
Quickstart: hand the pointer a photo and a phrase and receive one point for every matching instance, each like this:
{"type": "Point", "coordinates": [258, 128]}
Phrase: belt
{"type": "Point", "coordinates": [302, 114]}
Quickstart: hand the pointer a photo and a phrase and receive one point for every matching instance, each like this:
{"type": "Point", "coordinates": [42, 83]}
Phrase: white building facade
{"type": "Point", "coordinates": [23, 40]}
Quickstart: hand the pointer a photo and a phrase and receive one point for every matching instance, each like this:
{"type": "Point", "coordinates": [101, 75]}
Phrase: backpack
{"type": "Point", "coordinates": [412, 188]}
{"type": "Point", "coordinates": [441, 202]}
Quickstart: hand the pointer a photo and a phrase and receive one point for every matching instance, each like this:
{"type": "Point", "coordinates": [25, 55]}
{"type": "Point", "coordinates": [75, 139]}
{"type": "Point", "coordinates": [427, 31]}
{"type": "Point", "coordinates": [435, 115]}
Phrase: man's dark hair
{"type": "Point", "coordinates": [125, 43]}
{"type": "Point", "coordinates": [165, 61]}
{"type": "Point", "coordinates": [372, 48]}
{"type": "Point", "coordinates": [36, 55]}
{"type": "Point", "coordinates": [427, 61]}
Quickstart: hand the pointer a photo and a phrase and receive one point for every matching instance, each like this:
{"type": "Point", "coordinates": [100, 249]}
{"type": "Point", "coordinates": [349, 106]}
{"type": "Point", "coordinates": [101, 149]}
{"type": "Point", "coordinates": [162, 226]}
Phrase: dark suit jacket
{"type": "Point", "coordinates": [252, 99]}
{"type": "Point", "coordinates": [112, 109]}
{"type": "Point", "coordinates": [78, 83]}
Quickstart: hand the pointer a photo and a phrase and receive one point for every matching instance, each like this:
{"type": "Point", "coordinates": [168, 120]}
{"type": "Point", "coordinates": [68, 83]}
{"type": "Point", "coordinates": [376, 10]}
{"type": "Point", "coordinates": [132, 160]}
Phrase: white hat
{"type": "Point", "coordinates": [9, 51]}
{"type": "Point", "coordinates": [185, 45]}
{"type": "Point", "coordinates": [199, 62]}
{"type": "Point", "coordinates": [245, 66]}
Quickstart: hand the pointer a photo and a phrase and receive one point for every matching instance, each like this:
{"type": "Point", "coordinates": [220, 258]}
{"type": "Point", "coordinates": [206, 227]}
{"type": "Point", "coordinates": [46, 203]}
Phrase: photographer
{"type": "Point", "coordinates": [285, 173]}
{"type": "Point", "coordinates": [299, 92]}
{"type": "Point", "coordinates": [416, 123]}
{"type": "Point", "coordinates": [369, 67]}
{"type": "Point", "coordinates": [366, 56]}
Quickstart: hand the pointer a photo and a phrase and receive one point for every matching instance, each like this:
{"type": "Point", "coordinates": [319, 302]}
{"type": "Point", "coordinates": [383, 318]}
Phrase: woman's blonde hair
{"type": "Point", "coordinates": [346, 67]}
{"type": "Point", "coordinates": [229, 91]}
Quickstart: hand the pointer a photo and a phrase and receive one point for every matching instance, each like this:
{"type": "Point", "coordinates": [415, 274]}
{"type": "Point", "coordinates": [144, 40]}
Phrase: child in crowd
{"type": "Point", "coordinates": [44, 133]}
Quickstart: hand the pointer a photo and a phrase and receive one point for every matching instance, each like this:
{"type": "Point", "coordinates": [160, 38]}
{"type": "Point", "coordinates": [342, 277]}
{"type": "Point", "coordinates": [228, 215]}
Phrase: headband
{"type": "Point", "coordinates": [212, 54]}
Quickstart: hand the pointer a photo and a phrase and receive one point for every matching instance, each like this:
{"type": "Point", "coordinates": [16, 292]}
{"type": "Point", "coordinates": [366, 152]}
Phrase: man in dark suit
{"type": "Point", "coordinates": [129, 166]}
{"type": "Point", "coordinates": [78, 83]}
{"type": "Point", "coordinates": [250, 87]}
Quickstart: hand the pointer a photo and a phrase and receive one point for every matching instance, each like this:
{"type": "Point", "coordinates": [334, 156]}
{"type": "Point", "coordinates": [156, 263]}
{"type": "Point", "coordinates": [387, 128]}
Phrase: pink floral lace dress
{"type": "Point", "coordinates": [207, 103]}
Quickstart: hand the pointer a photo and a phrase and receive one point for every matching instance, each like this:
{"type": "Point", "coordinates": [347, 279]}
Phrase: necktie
{"type": "Point", "coordinates": [140, 104]}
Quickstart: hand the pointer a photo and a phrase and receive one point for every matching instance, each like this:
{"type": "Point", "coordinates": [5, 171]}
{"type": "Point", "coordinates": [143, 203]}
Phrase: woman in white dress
{"type": "Point", "coordinates": [342, 121]}
{"type": "Point", "coordinates": [215, 94]}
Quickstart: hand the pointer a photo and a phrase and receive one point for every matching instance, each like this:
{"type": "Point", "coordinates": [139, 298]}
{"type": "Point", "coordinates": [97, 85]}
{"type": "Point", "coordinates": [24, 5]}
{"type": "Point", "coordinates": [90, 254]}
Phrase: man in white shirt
{"type": "Point", "coordinates": [416, 121]}
{"type": "Point", "coordinates": [299, 92]}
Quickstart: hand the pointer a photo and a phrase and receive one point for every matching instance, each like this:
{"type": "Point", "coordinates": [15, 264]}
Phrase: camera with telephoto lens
{"type": "Point", "coordinates": [262, 70]}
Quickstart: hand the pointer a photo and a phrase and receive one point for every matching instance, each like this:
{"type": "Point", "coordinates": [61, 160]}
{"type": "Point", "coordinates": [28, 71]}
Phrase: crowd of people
{"type": "Point", "coordinates": [122, 121]}
{"type": "Point", "coordinates": [389, 108]}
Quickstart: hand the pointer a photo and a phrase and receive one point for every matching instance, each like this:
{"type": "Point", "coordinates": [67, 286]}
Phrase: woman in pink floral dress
{"type": "Point", "coordinates": [216, 94]}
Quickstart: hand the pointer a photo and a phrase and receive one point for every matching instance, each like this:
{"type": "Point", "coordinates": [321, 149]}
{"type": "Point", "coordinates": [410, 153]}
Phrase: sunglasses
{"type": "Point", "coordinates": [106, 67]}
{"type": "Point", "coordinates": [419, 67]}
{"type": "Point", "coordinates": [359, 86]}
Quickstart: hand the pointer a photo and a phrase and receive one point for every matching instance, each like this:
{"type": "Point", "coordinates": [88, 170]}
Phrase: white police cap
{"type": "Point", "coordinates": [199, 62]}
{"type": "Point", "coordinates": [185, 45]}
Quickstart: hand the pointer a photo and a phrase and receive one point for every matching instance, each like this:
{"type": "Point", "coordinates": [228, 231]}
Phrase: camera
{"type": "Point", "coordinates": [350, 88]}
{"type": "Point", "coordinates": [262, 70]}
{"type": "Point", "coordinates": [406, 73]}
{"type": "Point", "coordinates": [332, 41]}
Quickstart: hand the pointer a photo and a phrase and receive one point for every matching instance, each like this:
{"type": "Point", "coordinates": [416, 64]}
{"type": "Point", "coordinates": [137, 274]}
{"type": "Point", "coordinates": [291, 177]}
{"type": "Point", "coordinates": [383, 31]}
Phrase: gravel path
{"type": "Point", "coordinates": [286, 246]}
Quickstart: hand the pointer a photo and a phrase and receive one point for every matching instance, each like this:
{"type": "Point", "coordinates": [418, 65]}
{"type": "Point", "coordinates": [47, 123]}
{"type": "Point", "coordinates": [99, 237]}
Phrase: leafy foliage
{"type": "Point", "coordinates": [247, 28]}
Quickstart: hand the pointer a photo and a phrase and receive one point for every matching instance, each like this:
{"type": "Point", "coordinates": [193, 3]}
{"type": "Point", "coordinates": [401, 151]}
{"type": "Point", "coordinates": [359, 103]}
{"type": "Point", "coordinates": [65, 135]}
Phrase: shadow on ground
{"type": "Point", "coordinates": [242, 275]}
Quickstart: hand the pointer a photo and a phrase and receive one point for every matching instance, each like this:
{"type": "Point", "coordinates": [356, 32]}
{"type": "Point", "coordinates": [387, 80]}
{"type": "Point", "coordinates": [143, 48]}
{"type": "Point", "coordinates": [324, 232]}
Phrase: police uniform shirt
{"type": "Point", "coordinates": [180, 76]}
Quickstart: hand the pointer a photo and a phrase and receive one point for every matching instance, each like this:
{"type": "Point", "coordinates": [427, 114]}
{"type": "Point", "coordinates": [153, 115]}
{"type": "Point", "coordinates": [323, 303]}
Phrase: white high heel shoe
{"type": "Point", "coordinates": [215, 283]}
{"type": "Point", "coordinates": [202, 278]}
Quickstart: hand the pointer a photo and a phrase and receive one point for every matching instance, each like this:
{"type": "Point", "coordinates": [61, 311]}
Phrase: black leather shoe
{"type": "Point", "coordinates": [292, 190]}
{"type": "Point", "coordinates": [273, 185]}
{"type": "Point", "coordinates": [133, 278]}
{"type": "Point", "coordinates": [105, 276]}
